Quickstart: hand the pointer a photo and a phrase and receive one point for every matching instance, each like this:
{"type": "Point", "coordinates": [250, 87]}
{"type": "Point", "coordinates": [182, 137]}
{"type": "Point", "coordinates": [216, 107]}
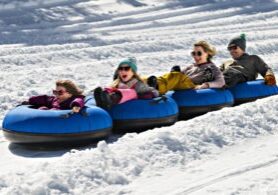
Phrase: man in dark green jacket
{"type": "Point", "coordinates": [244, 67]}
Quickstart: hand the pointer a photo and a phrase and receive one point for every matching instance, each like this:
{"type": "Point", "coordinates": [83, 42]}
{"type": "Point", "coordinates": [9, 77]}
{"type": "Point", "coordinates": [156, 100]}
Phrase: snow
{"type": "Point", "coordinates": [231, 151]}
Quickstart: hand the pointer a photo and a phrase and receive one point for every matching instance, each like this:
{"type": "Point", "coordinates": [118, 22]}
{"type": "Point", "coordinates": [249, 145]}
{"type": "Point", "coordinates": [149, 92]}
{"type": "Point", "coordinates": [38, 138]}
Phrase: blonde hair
{"type": "Point", "coordinates": [69, 86]}
{"type": "Point", "coordinates": [117, 81]}
{"type": "Point", "coordinates": [209, 49]}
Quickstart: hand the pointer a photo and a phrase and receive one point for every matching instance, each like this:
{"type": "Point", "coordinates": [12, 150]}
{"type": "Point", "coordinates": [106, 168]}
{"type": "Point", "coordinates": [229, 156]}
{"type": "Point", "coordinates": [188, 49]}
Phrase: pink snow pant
{"type": "Point", "coordinates": [127, 94]}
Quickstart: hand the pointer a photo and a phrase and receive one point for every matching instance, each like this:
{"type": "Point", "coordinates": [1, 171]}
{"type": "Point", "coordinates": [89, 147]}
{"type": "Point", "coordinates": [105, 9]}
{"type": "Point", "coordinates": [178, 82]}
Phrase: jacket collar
{"type": "Point", "coordinates": [202, 64]}
{"type": "Point", "coordinates": [243, 56]}
{"type": "Point", "coordinates": [131, 82]}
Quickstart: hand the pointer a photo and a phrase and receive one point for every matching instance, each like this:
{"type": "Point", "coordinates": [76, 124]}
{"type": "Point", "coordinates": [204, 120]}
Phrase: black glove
{"type": "Point", "coordinates": [176, 69]}
{"type": "Point", "coordinates": [25, 103]}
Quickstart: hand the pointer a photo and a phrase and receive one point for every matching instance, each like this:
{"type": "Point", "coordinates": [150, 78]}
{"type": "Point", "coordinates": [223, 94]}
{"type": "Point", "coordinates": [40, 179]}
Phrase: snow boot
{"type": "Point", "coordinates": [115, 97]}
{"type": "Point", "coordinates": [176, 69]}
{"type": "Point", "coordinates": [102, 98]}
{"type": "Point", "coordinates": [152, 82]}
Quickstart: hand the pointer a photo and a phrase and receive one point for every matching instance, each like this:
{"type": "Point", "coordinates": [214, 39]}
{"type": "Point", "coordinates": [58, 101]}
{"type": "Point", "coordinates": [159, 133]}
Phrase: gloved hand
{"type": "Point", "coordinates": [25, 103]}
{"type": "Point", "coordinates": [22, 103]}
{"type": "Point", "coordinates": [176, 69]}
{"type": "Point", "coordinates": [270, 79]}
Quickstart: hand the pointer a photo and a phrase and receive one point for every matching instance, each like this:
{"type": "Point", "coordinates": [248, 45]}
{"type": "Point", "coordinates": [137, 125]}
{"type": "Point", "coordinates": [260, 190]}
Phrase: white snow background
{"type": "Point", "coordinates": [231, 151]}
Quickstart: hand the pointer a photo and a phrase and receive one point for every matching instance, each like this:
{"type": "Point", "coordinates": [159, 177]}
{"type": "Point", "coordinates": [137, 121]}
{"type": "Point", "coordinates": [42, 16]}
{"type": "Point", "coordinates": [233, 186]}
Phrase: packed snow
{"type": "Point", "coordinates": [230, 151]}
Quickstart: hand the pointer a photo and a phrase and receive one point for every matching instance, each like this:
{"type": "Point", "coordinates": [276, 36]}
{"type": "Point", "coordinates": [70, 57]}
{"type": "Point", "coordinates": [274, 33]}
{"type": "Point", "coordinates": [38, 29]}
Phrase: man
{"type": "Point", "coordinates": [244, 67]}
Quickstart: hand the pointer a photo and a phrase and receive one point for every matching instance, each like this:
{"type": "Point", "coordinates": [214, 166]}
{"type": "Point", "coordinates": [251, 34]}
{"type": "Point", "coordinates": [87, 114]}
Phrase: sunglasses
{"type": "Point", "coordinates": [58, 92]}
{"type": "Point", "coordinates": [234, 47]}
{"type": "Point", "coordinates": [125, 68]}
{"type": "Point", "coordinates": [198, 53]}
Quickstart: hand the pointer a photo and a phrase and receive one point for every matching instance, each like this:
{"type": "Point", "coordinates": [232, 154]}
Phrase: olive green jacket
{"type": "Point", "coordinates": [249, 65]}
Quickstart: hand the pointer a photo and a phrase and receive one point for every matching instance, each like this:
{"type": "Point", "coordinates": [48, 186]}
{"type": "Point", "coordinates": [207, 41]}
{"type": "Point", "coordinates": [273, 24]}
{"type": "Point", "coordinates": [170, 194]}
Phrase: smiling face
{"type": "Point", "coordinates": [235, 51]}
{"type": "Point", "coordinates": [199, 55]}
{"type": "Point", "coordinates": [61, 93]}
{"type": "Point", "coordinates": [125, 73]}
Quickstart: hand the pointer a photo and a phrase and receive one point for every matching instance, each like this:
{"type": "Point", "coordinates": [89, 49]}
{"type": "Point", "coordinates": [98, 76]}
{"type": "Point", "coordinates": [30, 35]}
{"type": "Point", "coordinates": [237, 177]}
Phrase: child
{"type": "Point", "coordinates": [66, 96]}
{"type": "Point", "coordinates": [127, 86]}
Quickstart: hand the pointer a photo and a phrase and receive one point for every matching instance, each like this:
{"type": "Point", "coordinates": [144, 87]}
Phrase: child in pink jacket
{"type": "Point", "coordinates": [66, 96]}
{"type": "Point", "coordinates": [127, 86]}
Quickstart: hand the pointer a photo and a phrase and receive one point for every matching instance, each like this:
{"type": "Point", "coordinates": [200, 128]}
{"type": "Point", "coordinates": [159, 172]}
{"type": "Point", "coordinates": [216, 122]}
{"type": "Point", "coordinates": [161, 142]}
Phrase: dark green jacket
{"type": "Point", "coordinates": [249, 65]}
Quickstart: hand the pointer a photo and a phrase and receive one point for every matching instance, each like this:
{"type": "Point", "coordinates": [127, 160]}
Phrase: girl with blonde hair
{"type": "Point", "coordinates": [127, 86]}
{"type": "Point", "coordinates": [203, 73]}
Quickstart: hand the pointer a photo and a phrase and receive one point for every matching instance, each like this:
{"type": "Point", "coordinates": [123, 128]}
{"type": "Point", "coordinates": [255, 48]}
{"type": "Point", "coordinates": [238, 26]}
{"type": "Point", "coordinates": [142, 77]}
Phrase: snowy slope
{"type": "Point", "coordinates": [231, 151]}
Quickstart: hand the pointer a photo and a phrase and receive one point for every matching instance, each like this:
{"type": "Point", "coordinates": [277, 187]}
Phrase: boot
{"type": "Point", "coordinates": [152, 82]}
{"type": "Point", "coordinates": [115, 97]}
{"type": "Point", "coordinates": [176, 69]}
{"type": "Point", "coordinates": [102, 98]}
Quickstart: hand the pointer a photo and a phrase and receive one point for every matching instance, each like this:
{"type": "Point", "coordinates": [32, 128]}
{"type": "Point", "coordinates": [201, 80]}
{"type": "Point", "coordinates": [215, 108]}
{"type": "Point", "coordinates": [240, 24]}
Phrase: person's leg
{"type": "Point", "coordinates": [102, 98]}
{"type": "Point", "coordinates": [174, 81]}
{"type": "Point", "coordinates": [184, 82]}
{"type": "Point", "coordinates": [115, 97]}
{"type": "Point", "coordinates": [233, 77]}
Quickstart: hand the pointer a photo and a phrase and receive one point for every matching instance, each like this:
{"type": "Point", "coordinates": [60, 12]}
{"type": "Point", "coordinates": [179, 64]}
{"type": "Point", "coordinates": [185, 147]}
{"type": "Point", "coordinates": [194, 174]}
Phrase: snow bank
{"type": "Point", "coordinates": [108, 167]}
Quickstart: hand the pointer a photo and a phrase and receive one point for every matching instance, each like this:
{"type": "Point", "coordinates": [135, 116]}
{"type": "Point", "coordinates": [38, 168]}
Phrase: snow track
{"type": "Point", "coordinates": [236, 173]}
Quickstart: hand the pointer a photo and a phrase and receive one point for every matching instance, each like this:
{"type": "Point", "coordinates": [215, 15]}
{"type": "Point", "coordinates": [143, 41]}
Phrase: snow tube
{"type": "Point", "coordinates": [196, 102]}
{"type": "Point", "coordinates": [25, 125]}
{"type": "Point", "coordinates": [138, 115]}
{"type": "Point", "coordinates": [252, 90]}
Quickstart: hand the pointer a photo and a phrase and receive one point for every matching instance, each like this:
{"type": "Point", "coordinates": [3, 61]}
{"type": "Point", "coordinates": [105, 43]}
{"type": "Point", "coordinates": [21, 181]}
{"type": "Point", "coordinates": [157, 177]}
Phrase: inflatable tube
{"type": "Point", "coordinates": [196, 102]}
{"type": "Point", "coordinates": [25, 125]}
{"type": "Point", "coordinates": [138, 115]}
{"type": "Point", "coordinates": [252, 90]}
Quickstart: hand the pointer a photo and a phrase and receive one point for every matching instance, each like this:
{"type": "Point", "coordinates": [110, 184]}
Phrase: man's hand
{"type": "Point", "coordinates": [270, 79]}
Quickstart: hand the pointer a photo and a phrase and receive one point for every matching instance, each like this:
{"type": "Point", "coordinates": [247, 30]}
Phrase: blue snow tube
{"type": "Point", "coordinates": [138, 115]}
{"type": "Point", "coordinates": [196, 102]}
{"type": "Point", "coordinates": [252, 90]}
{"type": "Point", "coordinates": [26, 125]}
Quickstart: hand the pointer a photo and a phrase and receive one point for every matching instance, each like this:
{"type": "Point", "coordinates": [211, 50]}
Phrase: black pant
{"type": "Point", "coordinates": [233, 77]}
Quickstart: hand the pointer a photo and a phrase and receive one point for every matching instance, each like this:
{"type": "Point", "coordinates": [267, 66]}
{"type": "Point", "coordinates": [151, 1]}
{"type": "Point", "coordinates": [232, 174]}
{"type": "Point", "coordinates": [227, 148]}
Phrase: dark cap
{"type": "Point", "coordinates": [239, 41]}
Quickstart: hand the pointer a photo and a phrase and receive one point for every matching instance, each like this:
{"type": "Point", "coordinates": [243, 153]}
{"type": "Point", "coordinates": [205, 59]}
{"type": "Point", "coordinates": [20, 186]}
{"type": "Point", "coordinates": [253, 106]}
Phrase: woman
{"type": "Point", "coordinates": [66, 96]}
{"type": "Point", "coordinates": [200, 75]}
{"type": "Point", "coordinates": [127, 86]}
